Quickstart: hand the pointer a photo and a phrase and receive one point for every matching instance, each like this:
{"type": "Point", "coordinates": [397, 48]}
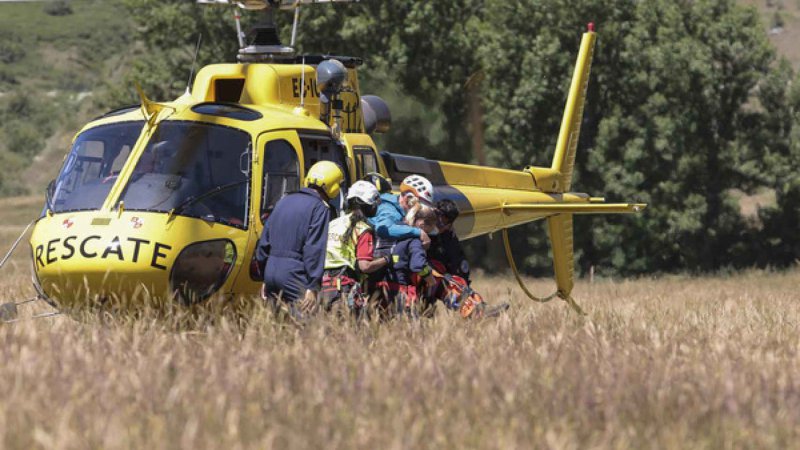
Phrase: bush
{"type": "Point", "coordinates": [23, 138]}
{"type": "Point", "coordinates": [11, 48]}
{"type": "Point", "coordinates": [58, 8]}
{"type": "Point", "coordinates": [10, 180]}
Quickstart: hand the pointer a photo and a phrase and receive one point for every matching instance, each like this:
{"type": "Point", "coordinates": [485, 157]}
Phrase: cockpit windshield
{"type": "Point", "coordinates": [193, 169]}
{"type": "Point", "coordinates": [92, 166]}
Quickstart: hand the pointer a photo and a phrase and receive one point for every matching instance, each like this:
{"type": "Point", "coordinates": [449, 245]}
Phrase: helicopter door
{"type": "Point", "coordinates": [281, 174]}
{"type": "Point", "coordinates": [276, 173]}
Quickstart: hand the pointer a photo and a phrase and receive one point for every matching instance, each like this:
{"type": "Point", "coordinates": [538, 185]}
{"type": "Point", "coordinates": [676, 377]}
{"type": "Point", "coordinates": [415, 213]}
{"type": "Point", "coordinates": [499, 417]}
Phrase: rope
{"type": "Point", "coordinates": [513, 265]}
{"type": "Point", "coordinates": [570, 301]}
{"type": "Point", "coordinates": [16, 243]}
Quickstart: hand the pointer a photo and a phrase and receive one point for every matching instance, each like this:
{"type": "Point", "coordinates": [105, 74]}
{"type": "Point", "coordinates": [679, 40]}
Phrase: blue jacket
{"type": "Point", "coordinates": [292, 245]}
{"type": "Point", "coordinates": [410, 258]}
{"type": "Point", "coordinates": [388, 222]}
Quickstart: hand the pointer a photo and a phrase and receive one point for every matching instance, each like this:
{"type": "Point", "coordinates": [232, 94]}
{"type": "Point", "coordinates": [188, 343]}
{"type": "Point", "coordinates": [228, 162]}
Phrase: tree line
{"type": "Point", "coordinates": [689, 109]}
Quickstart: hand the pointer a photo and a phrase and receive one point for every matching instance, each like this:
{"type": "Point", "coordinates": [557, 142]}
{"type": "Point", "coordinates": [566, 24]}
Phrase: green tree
{"type": "Point", "coordinates": [665, 123]}
{"type": "Point", "coordinates": [58, 8]}
{"type": "Point", "coordinates": [671, 117]}
{"type": "Point", "coordinates": [422, 50]}
{"type": "Point", "coordinates": [676, 137]}
{"type": "Point", "coordinates": [779, 146]}
{"type": "Point", "coordinates": [169, 31]}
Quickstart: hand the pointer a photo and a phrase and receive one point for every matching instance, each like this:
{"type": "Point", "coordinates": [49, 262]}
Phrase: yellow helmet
{"type": "Point", "coordinates": [327, 176]}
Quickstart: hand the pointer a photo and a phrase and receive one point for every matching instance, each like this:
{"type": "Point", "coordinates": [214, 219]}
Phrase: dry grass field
{"type": "Point", "coordinates": [671, 362]}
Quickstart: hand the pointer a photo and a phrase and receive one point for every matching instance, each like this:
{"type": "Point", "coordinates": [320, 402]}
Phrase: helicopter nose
{"type": "Point", "coordinates": [134, 259]}
{"type": "Point", "coordinates": [201, 269]}
{"type": "Point", "coordinates": [78, 270]}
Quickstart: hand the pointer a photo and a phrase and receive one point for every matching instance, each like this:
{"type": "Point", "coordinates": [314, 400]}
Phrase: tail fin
{"type": "Point", "coordinates": [560, 225]}
{"type": "Point", "coordinates": [558, 180]}
{"type": "Point", "coordinates": [560, 229]}
{"type": "Point", "coordinates": [564, 159]}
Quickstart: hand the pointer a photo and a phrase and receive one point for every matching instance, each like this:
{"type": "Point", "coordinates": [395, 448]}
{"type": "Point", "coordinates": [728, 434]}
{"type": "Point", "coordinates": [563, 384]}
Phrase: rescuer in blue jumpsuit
{"type": "Point", "coordinates": [291, 251]}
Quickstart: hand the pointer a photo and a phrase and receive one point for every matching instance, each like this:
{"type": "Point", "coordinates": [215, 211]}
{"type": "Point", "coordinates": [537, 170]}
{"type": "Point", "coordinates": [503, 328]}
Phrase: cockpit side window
{"type": "Point", "coordinates": [92, 166]}
{"type": "Point", "coordinates": [281, 174]}
{"type": "Point", "coordinates": [366, 161]}
{"type": "Point", "coordinates": [322, 148]}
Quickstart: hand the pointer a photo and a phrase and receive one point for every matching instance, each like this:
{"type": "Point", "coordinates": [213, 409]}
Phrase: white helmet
{"type": "Point", "coordinates": [419, 186]}
{"type": "Point", "coordinates": [366, 192]}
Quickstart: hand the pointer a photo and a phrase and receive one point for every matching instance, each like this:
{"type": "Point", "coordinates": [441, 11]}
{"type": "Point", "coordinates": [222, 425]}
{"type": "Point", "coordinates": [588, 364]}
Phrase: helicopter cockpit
{"type": "Point", "coordinates": [91, 168]}
{"type": "Point", "coordinates": [193, 169]}
{"type": "Point", "coordinates": [188, 168]}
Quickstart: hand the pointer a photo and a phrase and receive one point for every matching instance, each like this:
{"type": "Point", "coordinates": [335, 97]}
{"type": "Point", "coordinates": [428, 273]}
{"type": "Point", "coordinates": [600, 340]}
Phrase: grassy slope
{"type": "Point", "coordinates": [16, 213]}
{"type": "Point", "coordinates": [786, 39]}
{"type": "Point", "coordinates": [66, 61]}
{"type": "Point", "coordinates": [66, 53]}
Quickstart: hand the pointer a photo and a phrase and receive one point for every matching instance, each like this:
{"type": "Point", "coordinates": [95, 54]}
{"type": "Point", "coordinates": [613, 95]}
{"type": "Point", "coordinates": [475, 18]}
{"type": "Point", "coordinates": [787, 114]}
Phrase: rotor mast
{"type": "Point", "coordinates": [263, 42]}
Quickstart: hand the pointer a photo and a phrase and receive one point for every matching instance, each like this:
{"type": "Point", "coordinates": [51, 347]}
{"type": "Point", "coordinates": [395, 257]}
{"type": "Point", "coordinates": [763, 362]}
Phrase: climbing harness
{"type": "Point", "coordinates": [458, 296]}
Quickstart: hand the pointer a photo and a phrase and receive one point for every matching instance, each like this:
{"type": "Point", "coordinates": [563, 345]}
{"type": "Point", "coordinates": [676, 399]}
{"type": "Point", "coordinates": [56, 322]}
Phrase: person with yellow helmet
{"type": "Point", "coordinates": [291, 251]}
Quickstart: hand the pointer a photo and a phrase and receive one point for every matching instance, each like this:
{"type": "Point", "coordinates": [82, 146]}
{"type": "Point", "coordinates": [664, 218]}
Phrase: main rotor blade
{"type": "Point", "coordinates": [262, 4]}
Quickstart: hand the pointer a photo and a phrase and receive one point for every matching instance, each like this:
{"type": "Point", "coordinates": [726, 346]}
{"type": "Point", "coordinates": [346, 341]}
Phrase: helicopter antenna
{"type": "Point", "coordinates": [294, 25]}
{"type": "Point", "coordinates": [191, 71]}
{"type": "Point", "coordinates": [237, 17]}
{"type": "Point", "coordinates": [303, 83]}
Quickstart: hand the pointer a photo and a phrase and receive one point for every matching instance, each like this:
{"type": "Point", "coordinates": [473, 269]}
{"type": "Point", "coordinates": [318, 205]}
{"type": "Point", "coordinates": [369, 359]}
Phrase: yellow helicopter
{"type": "Point", "coordinates": [169, 199]}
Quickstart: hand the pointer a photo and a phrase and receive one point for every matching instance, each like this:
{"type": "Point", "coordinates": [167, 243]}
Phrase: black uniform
{"type": "Point", "coordinates": [446, 248]}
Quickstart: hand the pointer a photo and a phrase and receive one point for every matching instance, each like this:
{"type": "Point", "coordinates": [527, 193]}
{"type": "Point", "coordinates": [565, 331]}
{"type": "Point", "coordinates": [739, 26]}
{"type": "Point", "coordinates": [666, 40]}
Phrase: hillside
{"type": "Point", "coordinates": [60, 51]}
{"type": "Point", "coordinates": [782, 23]}
{"type": "Point", "coordinates": [55, 58]}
